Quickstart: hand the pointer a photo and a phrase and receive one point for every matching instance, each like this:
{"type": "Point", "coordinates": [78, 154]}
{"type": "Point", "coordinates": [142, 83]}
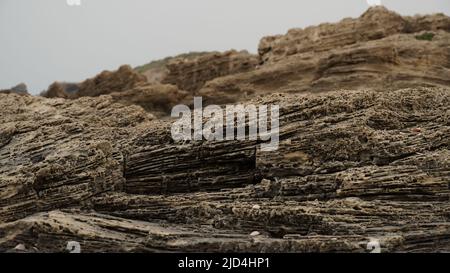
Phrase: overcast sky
{"type": "Point", "coordinates": [42, 41]}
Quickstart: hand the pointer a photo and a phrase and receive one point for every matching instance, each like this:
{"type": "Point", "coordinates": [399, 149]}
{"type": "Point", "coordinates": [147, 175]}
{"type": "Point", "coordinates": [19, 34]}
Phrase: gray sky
{"type": "Point", "coordinates": [42, 41]}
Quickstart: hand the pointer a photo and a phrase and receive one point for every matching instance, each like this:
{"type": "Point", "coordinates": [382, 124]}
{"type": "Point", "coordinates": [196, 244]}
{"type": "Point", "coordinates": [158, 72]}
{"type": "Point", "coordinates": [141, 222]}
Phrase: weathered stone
{"type": "Point", "coordinates": [192, 74]}
{"type": "Point", "coordinates": [397, 61]}
{"type": "Point", "coordinates": [58, 153]}
{"type": "Point", "coordinates": [376, 23]}
{"type": "Point", "coordinates": [125, 78]}
{"type": "Point", "coordinates": [352, 166]}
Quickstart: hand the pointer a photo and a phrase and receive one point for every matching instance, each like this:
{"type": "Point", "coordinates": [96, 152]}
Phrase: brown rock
{"type": "Point", "coordinates": [125, 78]}
{"type": "Point", "coordinates": [376, 23]}
{"type": "Point", "coordinates": [192, 74]}
{"type": "Point", "coordinates": [397, 61]}
{"type": "Point", "coordinates": [349, 168]}
{"type": "Point", "coordinates": [353, 166]}
{"type": "Point", "coordinates": [158, 99]}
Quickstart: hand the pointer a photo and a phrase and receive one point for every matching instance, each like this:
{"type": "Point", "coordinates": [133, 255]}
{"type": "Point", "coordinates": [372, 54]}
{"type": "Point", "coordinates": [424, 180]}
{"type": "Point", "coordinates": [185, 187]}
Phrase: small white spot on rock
{"type": "Point", "coordinates": [254, 233]}
{"type": "Point", "coordinates": [20, 247]}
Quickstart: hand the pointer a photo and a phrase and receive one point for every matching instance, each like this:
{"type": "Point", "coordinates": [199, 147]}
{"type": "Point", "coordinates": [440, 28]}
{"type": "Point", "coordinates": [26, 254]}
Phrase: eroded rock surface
{"type": "Point", "coordinates": [125, 78]}
{"type": "Point", "coordinates": [380, 50]}
{"type": "Point", "coordinates": [376, 23]}
{"type": "Point", "coordinates": [363, 154]}
{"type": "Point", "coordinates": [352, 166]}
{"type": "Point", "coordinates": [58, 153]}
{"type": "Point", "coordinates": [394, 62]}
{"type": "Point", "coordinates": [125, 86]}
{"type": "Point", "coordinates": [192, 74]}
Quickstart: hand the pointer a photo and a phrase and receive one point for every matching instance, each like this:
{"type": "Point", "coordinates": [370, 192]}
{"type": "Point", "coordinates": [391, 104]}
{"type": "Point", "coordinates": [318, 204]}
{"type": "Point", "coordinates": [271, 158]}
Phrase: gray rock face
{"type": "Point", "coordinates": [20, 89]}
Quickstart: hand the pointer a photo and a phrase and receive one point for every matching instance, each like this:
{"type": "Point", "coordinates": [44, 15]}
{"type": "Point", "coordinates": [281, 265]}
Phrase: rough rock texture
{"type": "Point", "coordinates": [58, 153]}
{"type": "Point", "coordinates": [397, 61]}
{"type": "Point", "coordinates": [125, 78]}
{"type": "Point", "coordinates": [379, 50]}
{"type": "Point", "coordinates": [352, 166]}
{"type": "Point", "coordinates": [156, 71]}
{"type": "Point", "coordinates": [159, 99]}
{"type": "Point", "coordinates": [124, 86]}
{"type": "Point", "coordinates": [363, 155]}
{"type": "Point", "coordinates": [192, 74]}
{"type": "Point", "coordinates": [376, 23]}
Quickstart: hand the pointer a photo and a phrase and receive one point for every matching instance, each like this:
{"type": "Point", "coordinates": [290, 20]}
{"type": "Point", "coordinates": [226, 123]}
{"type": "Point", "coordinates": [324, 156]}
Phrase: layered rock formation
{"type": "Point", "coordinates": [158, 99]}
{"type": "Point", "coordinates": [156, 71]}
{"type": "Point", "coordinates": [375, 24]}
{"type": "Point", "coordinates": [352, 165]}
{"type": "Point", "coordinates": [124, 86]}
{"type": "Point", "coordinates": [125, 78]}
{"type": "Point", "coordinates": [192, 74]}
{"type": "Point", "coordinates": [369, 162]}
{"type": "Point", "coordinates": [380, 50]}
{"type": "Point", "coordinates": [60, 151]}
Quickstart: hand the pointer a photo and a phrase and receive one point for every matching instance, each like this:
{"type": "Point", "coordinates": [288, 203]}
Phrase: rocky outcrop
{"type": "Point", "coordinates": [357, 119]}
{"type": "Point", "coordinates": [397, 61]}
{"type": "Point", "coordinates": [380, 50]}
{"type": "Point", "coordinates": [352, 166]}
{"type": "Point", "coordinates": [124, 86]}
{"type": "Point", "coordinates": [364, 152]}
{"type": "Point", "coordinates": [20, 89]}
{"type": "Point", "coordinates": [110, 234]}
{"type": "Point", "coordinates": [191, 74]}
{"type": "Point", "coordinates": [156, 71]}
{"type": "Point", "coordinates": [125, 78]}
{"type": "Point", "coordinates": [376, 23]}
{"type": "Point", "coordinates": [57, 153]}
{"type": "Point", "coordinates": [433, 22]}
{"type": "Point", "coordinates": [158, 99]}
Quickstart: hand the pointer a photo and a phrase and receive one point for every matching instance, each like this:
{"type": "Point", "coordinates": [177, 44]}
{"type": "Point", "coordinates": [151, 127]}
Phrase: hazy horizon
{"type": "Point", "coordinates": [48, 40]}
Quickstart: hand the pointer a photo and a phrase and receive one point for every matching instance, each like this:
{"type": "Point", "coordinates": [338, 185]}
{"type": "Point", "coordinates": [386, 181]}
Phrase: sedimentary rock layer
{"type": "Point", "coordinates": [125, 78]}
{"type": "Point", "coordinates": [375, 24]}
{"type": "Point", "coordinates": [192, 74]}
{"type": "Point", "coordinates": [352, 166]}
{"type": "Point", "coordinates": [397, 61]}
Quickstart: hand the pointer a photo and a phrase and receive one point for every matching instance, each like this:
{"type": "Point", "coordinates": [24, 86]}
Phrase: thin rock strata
{"type": "Point", "coordinates": [363, 154]}
{"type": "Point", "coordinates": [192, 74]}
{"type": "Point", "coordinates": [379, 50]}
{"type": "Point", "coordinates": [352, 166]}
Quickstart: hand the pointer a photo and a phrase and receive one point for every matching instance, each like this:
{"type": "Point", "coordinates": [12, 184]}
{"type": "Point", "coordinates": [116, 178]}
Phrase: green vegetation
{"type": "Point", "coordinates": [427, 36]}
